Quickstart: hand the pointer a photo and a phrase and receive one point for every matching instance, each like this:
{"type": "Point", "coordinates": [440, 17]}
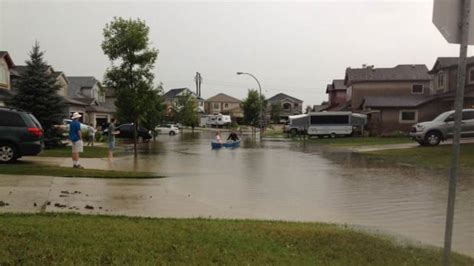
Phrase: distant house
{"type": "Point", "coordinates": [290, 105]}
{"type": "Point", "coordinates": [89, 91]}
{"type": "Point", "coordinates": [172, 95]}
{"type": "Point", "coordinates": [392, 97]}
{"type": "Point", "coordinates": [6, 64]}
{"type": "Point", "coordinates": [337, 95]}
{"type": "Point", "coordinates": [444, 82]}
{"type": "Point", "coordinates": [224, 104]}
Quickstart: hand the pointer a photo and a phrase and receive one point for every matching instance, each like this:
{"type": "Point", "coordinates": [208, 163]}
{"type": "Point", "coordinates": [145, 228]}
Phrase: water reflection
{"type": "Point", "coordinates": [292, 180]}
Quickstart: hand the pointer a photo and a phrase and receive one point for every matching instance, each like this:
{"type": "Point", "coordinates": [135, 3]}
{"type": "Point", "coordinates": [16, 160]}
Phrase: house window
{"type": "Point", "coordinates": [471, 75]}
{"type": "Point", "coordinates": [226, 105]}
{"type": "Point", "coordinates": [408, 116]}
{"type": "Point", "coordinates": [286, 106]}
{"type": "Point", "coordinates": [417, 89]}
{"type": "Point", "coordinates": [3, 74]}
{"type": "Point", "coordinates": [440, 80]}
{"type": "Point", "coordinates": [296, 104]}
{"type": "Point", "coordinates": [216, 106]}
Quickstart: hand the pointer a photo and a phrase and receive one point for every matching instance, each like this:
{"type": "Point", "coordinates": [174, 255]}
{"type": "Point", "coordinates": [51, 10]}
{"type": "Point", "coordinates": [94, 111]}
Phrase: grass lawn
{"type": "Point", "coordinates": [89, 152]}
{"type": "Point", "coordinates": [438, 157]}
{"type": "Point", "coordinates": [20, 168]}
{"type": "Point", "coordinates": [361, 141]}
{"type": "Point", "coordinates": [45, 239]}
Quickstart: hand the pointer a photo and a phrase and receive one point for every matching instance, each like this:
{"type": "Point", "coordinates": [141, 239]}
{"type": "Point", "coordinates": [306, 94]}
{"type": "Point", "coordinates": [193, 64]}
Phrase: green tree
{"type": "Point", "coordinates": [308, 109]}
{"type": "Point", "coordinates": [252, 106]}
{"type": "Point", "coordinates": [127, 45]}
{"type": "Point", "coordinates": [38, 94]}
{"type": "Point", "coordinates": [156, 109]}
{"type": "Point", "coordinates": [275, 112]}
{"type": "Point", "coordinates": [187, 110]}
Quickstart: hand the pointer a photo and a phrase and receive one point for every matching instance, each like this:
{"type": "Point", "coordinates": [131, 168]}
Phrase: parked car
{"type": "Point", "coordinates": [20, 135]}
{"type": "Point", "coordinates": [169, 129]}
{"type": "Point", "coordinates": [126, 131]}
{"type": "Point", "coordinates": [431, 133]}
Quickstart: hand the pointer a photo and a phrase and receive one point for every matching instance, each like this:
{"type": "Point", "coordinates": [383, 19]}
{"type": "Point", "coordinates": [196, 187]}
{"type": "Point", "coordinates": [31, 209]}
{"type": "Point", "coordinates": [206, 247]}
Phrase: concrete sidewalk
{"type": "Point", "coordinates": [130, 197]}
{"type": "Point", "coordinates": [401, 146]}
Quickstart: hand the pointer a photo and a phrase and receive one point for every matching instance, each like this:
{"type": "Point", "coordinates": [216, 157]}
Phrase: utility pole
{"type": "Point", "coordinates": [458, 106]}
{"type": "Point", "coordinates": [198, 80]}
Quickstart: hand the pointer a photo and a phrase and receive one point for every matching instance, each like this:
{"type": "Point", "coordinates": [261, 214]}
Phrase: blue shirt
{"type": "Point", "coordinates": [74, 129]}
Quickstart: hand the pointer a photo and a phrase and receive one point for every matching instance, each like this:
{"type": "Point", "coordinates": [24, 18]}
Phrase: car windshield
{"type": "Point", "coordinates": [442, 117]}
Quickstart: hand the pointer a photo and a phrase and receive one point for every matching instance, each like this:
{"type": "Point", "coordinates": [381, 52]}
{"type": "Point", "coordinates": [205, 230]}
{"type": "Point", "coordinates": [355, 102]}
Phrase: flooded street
{"type": "Point", "coordinates": [284, 180]}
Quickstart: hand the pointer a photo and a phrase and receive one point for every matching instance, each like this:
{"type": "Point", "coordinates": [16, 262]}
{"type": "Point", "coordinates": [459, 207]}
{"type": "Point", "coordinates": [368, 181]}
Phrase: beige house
{"type": "Point", "coordinates": [6, 64]}
{"type": "Point", "coordinates": [224, 104]}
{"type": "Point", "coordinates": [289, 105]}
{"type": "Point", "coordinates": [89, 91]}
{"type": "Point", "coordinates": [171, 98]}
{"type": "Point", "coordinates": [392, 97]}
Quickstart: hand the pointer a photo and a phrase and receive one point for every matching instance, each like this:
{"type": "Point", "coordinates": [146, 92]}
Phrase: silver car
{"type": "Point", "coordinates": [431, 133]}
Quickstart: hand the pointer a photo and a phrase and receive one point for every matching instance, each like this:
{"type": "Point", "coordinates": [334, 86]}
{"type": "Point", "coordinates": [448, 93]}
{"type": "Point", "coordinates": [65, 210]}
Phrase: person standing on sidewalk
{"type": "Point", "coordinates": [75, 137]}
{"type": "Point", "coordinates": [91, 135]}
{"type": "Point", "coordinates": [111, 138]}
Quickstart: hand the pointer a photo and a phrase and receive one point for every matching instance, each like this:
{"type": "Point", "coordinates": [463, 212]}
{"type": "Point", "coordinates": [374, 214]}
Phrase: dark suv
{"type": "Point", "coordinates": [20, 134]}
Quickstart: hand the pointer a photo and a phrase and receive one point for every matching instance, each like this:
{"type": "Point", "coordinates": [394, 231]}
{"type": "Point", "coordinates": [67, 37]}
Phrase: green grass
{"type": "Point", "coordinates": [20, 168]}
{"type": "Point", "coordinates": [89, 152]}
{"type": "Point", "coordinates": [438, 157]}
{"type": "Point", "coordinates": [361, 141]}
{"type": "Point", "coordinates": [45, 239]}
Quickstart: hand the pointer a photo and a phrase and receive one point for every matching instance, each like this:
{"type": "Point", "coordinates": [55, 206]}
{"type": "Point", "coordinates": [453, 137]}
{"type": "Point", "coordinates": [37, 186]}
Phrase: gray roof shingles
{"type": "Point", "coordinates": [282, 96]}
{"type": "Point", "coordinates": [173, 93]}
{"type": "Point", "coordinates": [77, 83]}
{"type": "Point", "coordinates": [397, 73]}
{"type": "Point", "coordinates": [448, 62]}
{"type": "Point", "coordinates": [396, 101]}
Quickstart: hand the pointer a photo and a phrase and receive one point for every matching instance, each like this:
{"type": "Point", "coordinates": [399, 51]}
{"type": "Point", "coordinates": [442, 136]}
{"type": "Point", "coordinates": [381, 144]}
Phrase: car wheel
{"type": "Point", "coordinates": [8, 153]}
{"type": "Point", "coordinates": [332, 135]}
{"type": "Point", "coordinates": [172, 133]}
{"type": "Point", "coordinates": [432, 138]}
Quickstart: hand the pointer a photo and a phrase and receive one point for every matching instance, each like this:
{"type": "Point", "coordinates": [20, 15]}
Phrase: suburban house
{"type": "Point", "coordinates": [391, 97]}
{"type": "Point", "coordinates": [224, 104]}
{"type": "Point", "coordinates": [289, 105]}
{"type": "Point", "coordinates": [444, 82]}
{"type": "Point", "coordinates": [6, 64]}
{"type": "Point", "coordinates": [61, 80]}
{"type": "Point", "coordinates": [89, 91]}
{"type": "Point", "coordinates": [337, 95]}
{"type": "Point", "coordinates": [171, 98]}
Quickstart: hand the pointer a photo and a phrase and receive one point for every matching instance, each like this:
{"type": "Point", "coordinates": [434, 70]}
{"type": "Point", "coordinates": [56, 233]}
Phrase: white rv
{"type": "Point", "coordinates": [334, 123]}
{"type": "Point", "coordinates": [218, 120]}
{"type": "Point", "coordinates": [337, 123]}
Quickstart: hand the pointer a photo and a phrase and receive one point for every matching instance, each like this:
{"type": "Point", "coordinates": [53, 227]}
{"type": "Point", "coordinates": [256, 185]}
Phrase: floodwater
{"type": "Point", "coordinates": [284, 180]}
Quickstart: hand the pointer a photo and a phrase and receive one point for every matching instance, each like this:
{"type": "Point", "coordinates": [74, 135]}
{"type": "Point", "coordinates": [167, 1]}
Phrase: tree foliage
{"type": "Point", "coordinates": [275, 112]}
{"type": "Point", "coordinates": [38, 93]}
{"type": "Point", "coordinates": [308, 109]}
{"type": "Point", "coordinates": [186, 108]}
{"type": "Point", "coordinates": [252, 106]}
{"type": "Point", "coordinates": [127, 45]}
{"type": "Point", "coordinates": [155, 112]}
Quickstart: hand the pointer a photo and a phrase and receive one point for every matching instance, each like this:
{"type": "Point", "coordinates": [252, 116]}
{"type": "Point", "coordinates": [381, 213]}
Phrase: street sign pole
{"type": "Point", "coordinates": [458, 104]}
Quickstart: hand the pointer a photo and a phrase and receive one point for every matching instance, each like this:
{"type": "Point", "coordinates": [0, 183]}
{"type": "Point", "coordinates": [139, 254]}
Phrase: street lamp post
{"type": "Point", "coordinates": [260, 100]}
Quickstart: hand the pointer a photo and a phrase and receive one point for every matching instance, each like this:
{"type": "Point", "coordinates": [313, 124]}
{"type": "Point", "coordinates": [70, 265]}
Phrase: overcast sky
{"type": "Point", "coordinates": [292, 47]}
